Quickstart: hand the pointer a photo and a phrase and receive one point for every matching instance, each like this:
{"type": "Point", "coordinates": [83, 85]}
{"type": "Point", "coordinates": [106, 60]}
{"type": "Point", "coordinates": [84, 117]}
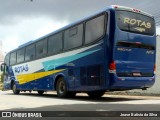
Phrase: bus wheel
{"type": "Point", "coordinates": [40, 92]}
{"type": "Point", "coordinates": [15, 91]}
{"type": "Point", "coordinates": [61, 88]}
{"type": "Point", "coordinates": [96, 94]}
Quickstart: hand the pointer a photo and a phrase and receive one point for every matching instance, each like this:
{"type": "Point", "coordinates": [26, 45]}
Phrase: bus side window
{"type": "Point", "coordinates": [94, 29]}
{"type": "Point", "coordinates": [73, 37]}
{"type": "Point", "coordinates": [41, 48]}
{"type": "Point", "coordinates": [13, 58]}
{"type": "Point", "coordinates": [6, 61]}
{"type": "Point", "coordinates": [55, 43]}
{"type": "Point", "coordinates": [20, 55]}
{"type": "Point", "coordinates": [30, 52]}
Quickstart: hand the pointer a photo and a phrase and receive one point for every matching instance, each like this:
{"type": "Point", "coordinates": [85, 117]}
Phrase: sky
{"type": "Point", "coordinates": [23, 20]}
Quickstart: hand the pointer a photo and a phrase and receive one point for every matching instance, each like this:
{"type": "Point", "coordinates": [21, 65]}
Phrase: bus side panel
{"type": "Point", "coordinates": [89, 72]}
{"type": "Point", "coordinates": [81, 68]}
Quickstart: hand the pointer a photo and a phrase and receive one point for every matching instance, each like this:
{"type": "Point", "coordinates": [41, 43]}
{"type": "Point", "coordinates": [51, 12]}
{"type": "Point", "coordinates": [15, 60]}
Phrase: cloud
{"type": "Point", "coordinates": [15, 35]}
{"type": "Point", "coordinates": [13, 11]}
{"type": "Point", "coordinates": [22, 20]}
{"type": "Point", "coordinates": [49, 27]}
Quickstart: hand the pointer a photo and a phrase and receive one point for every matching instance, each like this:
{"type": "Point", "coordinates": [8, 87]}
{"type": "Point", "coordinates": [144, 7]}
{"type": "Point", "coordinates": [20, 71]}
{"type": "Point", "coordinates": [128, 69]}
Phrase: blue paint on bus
{"type": "Point", "coordinates": [122, 58]}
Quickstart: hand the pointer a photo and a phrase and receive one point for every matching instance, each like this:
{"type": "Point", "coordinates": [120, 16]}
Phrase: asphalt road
{"type": "Point", "coordinates": [108, 103]}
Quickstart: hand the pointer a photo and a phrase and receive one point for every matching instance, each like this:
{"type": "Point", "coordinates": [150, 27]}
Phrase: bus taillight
{"type": "Point", "coordinates": [112, 66]}
{"type": "Point", "coordinates": [115, 6]}
{"type": "Point", "coordinates": [136, 10]}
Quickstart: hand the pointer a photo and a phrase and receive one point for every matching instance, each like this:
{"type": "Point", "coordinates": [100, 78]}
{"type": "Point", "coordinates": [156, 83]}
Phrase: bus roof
{"type": "Point", "coordinates": [113, 7]}
{"type": "Point", "coordinates": [118, 7]}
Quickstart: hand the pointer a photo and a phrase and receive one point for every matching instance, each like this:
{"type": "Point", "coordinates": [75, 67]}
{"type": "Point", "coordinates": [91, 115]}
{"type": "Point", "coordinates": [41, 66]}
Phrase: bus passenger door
{"type": "Point", "coordinates": [5, 76]}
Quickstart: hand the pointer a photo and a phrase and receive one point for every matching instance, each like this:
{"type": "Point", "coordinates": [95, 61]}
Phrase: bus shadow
{"type": "Point", "coordinates": [82, 97]}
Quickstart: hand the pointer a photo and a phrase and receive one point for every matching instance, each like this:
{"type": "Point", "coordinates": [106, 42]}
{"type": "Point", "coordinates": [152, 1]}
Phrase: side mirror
{"type": "Point", "coordinates": [3, 67]}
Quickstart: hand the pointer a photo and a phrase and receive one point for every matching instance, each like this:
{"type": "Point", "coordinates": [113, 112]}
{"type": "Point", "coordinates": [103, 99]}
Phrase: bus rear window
{"type": "Point", "coordinates": [135, 22]}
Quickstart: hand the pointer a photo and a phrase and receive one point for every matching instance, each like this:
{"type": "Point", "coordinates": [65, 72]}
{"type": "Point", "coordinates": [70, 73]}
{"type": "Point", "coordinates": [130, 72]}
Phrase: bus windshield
{"type": "Point", "coordinates": [135, 22]}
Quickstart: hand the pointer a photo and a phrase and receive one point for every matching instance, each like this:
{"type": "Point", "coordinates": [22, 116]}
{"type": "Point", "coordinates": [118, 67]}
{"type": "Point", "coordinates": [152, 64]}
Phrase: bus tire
{"type": "Point", "coordinates": [15, 91]}
{"type": "Point", "coordinates": [96, 94]}
{"type": "Point", "coordinates": [40, 92]}
{"type": "Point", "coordinates": [61, 88]}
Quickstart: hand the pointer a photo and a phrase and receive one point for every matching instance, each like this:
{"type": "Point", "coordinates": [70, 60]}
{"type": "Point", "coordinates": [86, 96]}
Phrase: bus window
{"type": "Point", "coordinates": [135, 22]}
{"type": "Point", "coordinates": [73, 37]}
{"type": "Point", "coordinates": [20, 55]}
{"type": "Point", "coordinates": [55, 43]}
{"type": "Point", "coordinates": [41, 48]}
{"type": "Point", "coordinates": [94, 29]}
{"type": "Point", "coordinates": [30, 52]}
{"type": "Point", "coordinates": [7, 59]}
{"type": "Point", "coordinates": [13, 58]}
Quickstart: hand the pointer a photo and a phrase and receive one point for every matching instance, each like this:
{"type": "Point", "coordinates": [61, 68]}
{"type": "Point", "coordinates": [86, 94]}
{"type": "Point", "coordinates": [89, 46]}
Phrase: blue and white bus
{"type": "Point", "coordinates": [112, 50]}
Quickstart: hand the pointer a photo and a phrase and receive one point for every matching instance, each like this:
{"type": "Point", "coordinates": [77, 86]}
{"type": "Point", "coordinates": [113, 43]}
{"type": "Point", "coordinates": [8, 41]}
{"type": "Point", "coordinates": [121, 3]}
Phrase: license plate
{"type": "Point", "coordinates": [136, 74]}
